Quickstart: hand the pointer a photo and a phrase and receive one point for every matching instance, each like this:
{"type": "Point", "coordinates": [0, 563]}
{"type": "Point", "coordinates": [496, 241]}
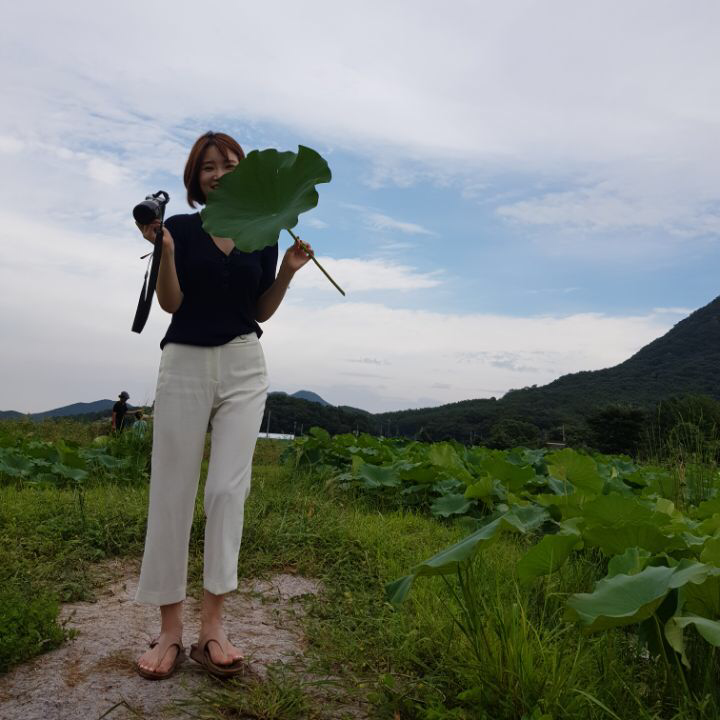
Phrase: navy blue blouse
{"type": "Point", "coordinates": [220, 291]}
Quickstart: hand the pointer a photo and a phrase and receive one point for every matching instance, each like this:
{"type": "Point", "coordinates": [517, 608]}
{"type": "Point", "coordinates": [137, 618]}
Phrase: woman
{"type": "Point", "coordinates": [213, 372]}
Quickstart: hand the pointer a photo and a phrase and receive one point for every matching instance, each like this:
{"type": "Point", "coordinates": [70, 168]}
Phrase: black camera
{"type": "Point", "coordinates": [151, 208]}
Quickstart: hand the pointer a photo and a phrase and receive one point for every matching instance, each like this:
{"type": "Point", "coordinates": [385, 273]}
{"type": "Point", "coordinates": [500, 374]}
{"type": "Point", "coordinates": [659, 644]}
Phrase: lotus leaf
{"type": "Point", "coordinates": [264, 194]}
{"type": "Point", "coordinates": [580, 470]}
{"type": "Point", "coordinates": [481, 489]}
{"type": "Point", "coordinates": [629, 599]}
{"type": "Point", "coordinates": [548, 555]}
{"type": "Point", "coordinates": [513, 476]}
{"type": "Point", "coordinates": [447, 505]}
{"type": "Point", "coordinates": [374, 476]}
{"type": "Point", "coordinates": [519, 519]}
{"type": "Point", "coordinates": [674, 632]}
{"type": "Point", "coordinates": [631, 562]}
{"type": "Point", "coordinates": [615, 539]}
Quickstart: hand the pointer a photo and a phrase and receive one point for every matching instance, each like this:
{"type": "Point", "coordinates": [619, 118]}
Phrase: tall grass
{"type": "Point", "coordinates": [691, 450]}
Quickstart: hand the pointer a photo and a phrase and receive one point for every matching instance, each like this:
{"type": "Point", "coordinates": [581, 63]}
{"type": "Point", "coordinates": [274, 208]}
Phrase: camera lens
{"type": "Point", "coordinates": [146, 211]}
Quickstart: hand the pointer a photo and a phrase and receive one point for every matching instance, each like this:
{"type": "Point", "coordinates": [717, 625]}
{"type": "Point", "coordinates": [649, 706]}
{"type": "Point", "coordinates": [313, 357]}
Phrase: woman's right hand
{"type": "Point", "coordinates": [149, 231]}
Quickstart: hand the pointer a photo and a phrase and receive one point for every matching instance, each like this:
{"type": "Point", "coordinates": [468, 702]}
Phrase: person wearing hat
{"type": "Point", "coordinates": [119, 411]}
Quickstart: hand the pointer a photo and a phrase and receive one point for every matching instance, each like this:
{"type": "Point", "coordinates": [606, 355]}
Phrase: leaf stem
{"type": "Point", "coordinates": [312, 257]}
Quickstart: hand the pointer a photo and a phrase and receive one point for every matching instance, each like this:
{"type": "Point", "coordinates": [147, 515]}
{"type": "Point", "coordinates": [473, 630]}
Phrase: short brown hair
{"type": "Point", "coordinates": [225, 145]}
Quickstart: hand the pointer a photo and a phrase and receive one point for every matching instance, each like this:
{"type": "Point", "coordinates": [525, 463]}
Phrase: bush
{"type": "Point", "coordinates": [28, 625]}
{"type": "Point", "coordinates": [617, 429]}
{"type": "Point", "coordinates": [513, 433]}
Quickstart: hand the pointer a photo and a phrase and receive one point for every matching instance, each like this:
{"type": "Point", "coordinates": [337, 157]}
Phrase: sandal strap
{"type": "Point", "coordinates": [206, 650]}
{"type": "Point", "coordinates": [177, 643]}
{"type": "Point", "coordinates": [204, 644]}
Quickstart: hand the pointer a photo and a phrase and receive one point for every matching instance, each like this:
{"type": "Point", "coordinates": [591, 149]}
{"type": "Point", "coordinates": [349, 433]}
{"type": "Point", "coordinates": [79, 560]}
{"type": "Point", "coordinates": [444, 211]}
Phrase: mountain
{"type": "Point", "coordinates": [10, 415]}
{"type": "Point", "coordinates": [289, 414]}
{"type": "Point", "coordinates": [309, 396]}
{"type": "Point", "coordinates": [80, 408]}
{"type": "Point", "coordinates": [684, 361]}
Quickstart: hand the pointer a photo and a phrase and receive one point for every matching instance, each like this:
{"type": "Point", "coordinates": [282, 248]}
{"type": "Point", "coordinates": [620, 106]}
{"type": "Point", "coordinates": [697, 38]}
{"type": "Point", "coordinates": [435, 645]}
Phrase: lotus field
{"type": "Point", "coordinates": [657, 529]}
{"type": "Point", "coordinates": [458, 583]}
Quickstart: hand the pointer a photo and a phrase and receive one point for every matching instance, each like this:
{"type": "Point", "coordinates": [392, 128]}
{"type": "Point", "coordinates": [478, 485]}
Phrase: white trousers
{"type": "Point", "coordinates": [224, 387]}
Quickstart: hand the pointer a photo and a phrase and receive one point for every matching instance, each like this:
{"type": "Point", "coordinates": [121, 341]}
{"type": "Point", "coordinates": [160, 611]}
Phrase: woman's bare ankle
{"type": "Point", "coordinates": [171, 619]}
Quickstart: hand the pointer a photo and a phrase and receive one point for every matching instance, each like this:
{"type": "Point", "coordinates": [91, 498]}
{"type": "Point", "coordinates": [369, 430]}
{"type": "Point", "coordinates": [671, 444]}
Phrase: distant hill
{"type": "Point", "coordinates": [290, 414]}
{"type": "Point", "coordinates": [98, 407]}
{"type": "Point", "coordinates": [10, 415]}
{"type": "Point", "coordinates": [309, 396]}
{"type": "Point", "coordinates": [684, 361]}
{"type": "Point", "coordinates": [80, 408]}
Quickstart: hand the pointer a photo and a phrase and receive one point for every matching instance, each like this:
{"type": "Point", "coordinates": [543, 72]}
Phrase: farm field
{"type": "Point", "coordinates": [456, 582]}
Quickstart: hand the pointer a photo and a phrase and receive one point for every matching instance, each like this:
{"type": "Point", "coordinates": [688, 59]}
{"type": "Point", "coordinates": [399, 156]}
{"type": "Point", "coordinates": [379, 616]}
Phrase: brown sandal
{"type": "Point", "coordinates": [154, 675]}
{"type": "Point", "coordinates": [203, 658]}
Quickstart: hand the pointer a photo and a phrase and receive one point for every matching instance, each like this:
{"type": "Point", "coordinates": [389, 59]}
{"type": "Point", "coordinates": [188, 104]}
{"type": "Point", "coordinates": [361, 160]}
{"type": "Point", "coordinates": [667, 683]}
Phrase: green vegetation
{"type": "Point", "coordinates": [571, 586]}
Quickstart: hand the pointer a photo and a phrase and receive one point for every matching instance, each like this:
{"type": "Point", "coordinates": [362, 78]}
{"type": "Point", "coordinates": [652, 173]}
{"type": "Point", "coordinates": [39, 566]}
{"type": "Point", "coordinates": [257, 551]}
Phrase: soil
{"type": "Point", "coordinates": [94, 672]}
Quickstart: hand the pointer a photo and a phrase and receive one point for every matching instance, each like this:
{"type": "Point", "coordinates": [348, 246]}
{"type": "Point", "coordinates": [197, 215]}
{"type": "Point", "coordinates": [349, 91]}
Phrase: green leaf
{"type": "Point", "coordinates": [580, 470]}
{"type": "Point", "coordinates": [706, 509]}
{"type": "Point", "coordinates": [14, 465]}
{"type": "Point", "coordinates": [674, 632]}
{"type": "Point", "coordinates": [711, 551]}
{"type": "Point", "coordinates": [481, 489]}
{"type": "Point", "coordinates": [514, 476]}
{"type": "Point", "coordinates": [519, 519]}
{"type": "Point", "coordinates": [547, 556]}
{"type": "Point", "coordinates": [614, 540]}
{"type": "Point", "coordinates": [71, 473]}
{"type": "Point", "coordinates": [445, 456]}
{"type": "Point", "coordinates": [264, 194]}
{"type": "Point", "coordinates": [628, 599]}
{"type": "Point", "coordinates": [450, 505]}
{"type": "Point", "coordinates": [631, 562]}
{"type": "Point", "coordinates": [375, 476]}
{"type": "Point", "coordinates": [615, 509]}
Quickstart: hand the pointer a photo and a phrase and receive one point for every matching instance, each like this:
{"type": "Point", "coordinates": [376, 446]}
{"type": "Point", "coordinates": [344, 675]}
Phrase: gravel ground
{"type": "Point", "coordinates": [94, 671]}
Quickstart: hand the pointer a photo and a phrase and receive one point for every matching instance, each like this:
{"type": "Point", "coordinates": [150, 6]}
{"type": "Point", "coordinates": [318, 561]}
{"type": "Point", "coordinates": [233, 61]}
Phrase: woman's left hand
{"type": "Point", "coordinates": [296, 257]}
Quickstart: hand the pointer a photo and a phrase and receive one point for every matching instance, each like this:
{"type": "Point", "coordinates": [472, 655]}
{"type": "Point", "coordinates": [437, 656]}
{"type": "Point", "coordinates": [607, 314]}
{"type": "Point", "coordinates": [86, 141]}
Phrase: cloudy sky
{"type": "Point", "coordinates": [520, 189]}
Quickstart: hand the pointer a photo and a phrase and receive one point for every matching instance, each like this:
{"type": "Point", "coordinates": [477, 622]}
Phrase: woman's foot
{"type": "Point", "coordinates": [222, 651]}
{"type": "Point", "coordinates": [160, 658]}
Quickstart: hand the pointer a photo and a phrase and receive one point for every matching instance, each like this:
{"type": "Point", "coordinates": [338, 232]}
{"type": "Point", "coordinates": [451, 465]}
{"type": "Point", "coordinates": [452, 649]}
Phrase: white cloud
{"type": "Point", "coordinates": [316, 223]}
{"type": "Point", "coordinates": [433, 358]}
{"type": "Point", "coordinates": [610, 206]}
{"type": "Point", "coordinates": [378, 221]}
{"type": "Point", "coordinates": [359, 275]}
{"type": "Point", "coordinates": [672, 311]}
{"type": "Point", "coordinates": [105, 171]}
{"type": "Point", "coordinates": [72, 301]}
{"type": "Point", "coordinates": [485, 85]}
{"type": "Point", "coordinates": [10, 145]}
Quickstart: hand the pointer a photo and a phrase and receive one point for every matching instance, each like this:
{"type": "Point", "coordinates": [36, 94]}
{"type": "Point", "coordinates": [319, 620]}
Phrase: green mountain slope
{"type": "Point", "coordinates": [683, 361]}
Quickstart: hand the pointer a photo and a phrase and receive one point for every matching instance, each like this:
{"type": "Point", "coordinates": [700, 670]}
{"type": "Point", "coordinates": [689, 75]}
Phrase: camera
{"type": "Point", "coordinates": [151, 208]}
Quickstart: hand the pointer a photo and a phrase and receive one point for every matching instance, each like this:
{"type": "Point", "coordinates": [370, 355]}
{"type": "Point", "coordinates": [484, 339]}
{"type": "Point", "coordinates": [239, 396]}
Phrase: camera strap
{"type": "Point", "coordinates": [149, 283]}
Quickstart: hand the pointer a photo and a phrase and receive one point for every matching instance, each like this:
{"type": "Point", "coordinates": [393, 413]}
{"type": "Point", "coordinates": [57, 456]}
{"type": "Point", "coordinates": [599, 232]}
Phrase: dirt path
{"type": "Point", "coordinates": [94, 671]}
